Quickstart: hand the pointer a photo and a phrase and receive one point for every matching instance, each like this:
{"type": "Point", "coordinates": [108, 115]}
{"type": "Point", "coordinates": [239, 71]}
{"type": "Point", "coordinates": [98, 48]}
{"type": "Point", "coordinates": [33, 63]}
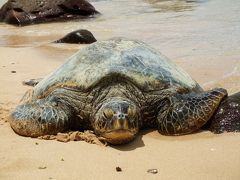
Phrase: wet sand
{"type": "Point", "coordinates": [202, 41]}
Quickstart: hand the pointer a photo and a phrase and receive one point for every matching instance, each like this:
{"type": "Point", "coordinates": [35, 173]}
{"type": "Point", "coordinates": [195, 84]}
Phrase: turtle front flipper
{"type": "Point", "coordinates": [186, 113]}
{"type": "Point", "coordinates": [40, 117]}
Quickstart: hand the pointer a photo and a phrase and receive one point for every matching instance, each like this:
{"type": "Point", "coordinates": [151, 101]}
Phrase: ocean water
{"type": "Point", "coordinates": [201, 36]}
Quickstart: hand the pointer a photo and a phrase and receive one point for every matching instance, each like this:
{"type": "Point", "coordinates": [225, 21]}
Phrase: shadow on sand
{"type": "Point", "coordinates": [136, 143]}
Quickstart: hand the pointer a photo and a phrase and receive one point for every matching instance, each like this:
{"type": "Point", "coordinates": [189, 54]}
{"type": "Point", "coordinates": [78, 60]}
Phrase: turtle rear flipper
{"type": "Point", "coordinates": [186, 113]}
{"type": "Point", "coordinates": [39, 118]}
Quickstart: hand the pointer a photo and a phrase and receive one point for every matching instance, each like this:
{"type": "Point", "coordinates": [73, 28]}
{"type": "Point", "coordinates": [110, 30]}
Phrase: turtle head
{"type": "Point", "coordinates": [117, 121]}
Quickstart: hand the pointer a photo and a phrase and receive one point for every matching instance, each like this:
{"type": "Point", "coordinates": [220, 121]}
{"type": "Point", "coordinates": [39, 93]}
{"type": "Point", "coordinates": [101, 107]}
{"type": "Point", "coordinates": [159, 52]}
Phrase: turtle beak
{"type": "Point", "coordinates": [119, 136]}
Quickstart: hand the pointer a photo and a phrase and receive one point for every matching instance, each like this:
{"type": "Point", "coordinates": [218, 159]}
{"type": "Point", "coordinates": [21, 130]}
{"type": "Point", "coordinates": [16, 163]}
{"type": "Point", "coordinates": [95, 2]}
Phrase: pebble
{"type": "Point", "coordinates": [153, 171]}
{"type": "Point", "coordinates": [32, 82]}
{"type": "Point", "coordinates": [118, 169]}
{"type": "Point", "coordinates": [81, 36]}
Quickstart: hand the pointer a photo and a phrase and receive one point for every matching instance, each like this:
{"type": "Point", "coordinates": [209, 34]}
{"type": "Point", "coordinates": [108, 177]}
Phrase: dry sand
{"type": "Point", "coordinates": [197, 156]}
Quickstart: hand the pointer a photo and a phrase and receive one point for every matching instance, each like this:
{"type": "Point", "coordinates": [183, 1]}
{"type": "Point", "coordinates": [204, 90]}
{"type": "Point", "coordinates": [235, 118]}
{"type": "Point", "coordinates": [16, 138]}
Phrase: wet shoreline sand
{"type": "Point", "coordinates": [202, 41]}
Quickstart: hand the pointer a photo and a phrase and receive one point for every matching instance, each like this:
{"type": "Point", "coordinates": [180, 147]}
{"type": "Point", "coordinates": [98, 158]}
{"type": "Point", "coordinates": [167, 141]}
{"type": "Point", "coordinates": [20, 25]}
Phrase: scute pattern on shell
{"type": "Point", "coordinates": [117, 58]}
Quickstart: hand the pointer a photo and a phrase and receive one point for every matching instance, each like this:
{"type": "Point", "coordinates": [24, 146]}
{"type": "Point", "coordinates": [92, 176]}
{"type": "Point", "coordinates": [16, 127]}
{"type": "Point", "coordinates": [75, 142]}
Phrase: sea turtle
{"type": "Point", "coordinates": [115, 88]}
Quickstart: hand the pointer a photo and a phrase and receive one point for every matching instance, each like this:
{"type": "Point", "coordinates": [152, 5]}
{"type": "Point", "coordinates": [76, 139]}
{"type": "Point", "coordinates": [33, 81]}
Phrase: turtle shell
{"type": "Point", "coordinates": [114, 60]}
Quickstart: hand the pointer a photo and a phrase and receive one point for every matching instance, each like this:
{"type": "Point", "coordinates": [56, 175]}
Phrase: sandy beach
{"type": "Point", "coordinates": [202, 41]}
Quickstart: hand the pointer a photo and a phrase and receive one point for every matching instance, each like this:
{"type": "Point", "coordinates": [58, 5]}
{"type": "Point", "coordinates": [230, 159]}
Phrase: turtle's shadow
{"type": "Point", "coordinates": [136, 143]}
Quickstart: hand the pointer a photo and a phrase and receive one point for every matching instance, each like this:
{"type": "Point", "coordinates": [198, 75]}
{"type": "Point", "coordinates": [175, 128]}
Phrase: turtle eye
{"type": "Point", "coordinates": [108, 113]}
{"type": "Point", "coordinates": [131, 112]}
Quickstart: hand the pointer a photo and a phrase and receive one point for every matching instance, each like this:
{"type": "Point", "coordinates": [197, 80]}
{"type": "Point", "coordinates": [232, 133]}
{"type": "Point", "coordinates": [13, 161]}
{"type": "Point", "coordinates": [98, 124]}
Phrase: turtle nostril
{"type": "Point", "coordinates": [121, 116]}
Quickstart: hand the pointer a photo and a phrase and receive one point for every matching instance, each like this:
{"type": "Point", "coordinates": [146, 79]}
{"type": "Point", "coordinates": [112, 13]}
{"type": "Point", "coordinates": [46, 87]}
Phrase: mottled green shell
{"type": "Point", "coordinates": [117, 58]}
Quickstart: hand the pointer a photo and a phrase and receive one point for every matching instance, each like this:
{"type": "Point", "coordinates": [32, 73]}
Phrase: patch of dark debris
{"type": "Point", "coordinates": [87, 136]}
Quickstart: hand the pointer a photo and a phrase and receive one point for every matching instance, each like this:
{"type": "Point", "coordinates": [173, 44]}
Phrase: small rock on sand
{"type": "Point", "coordinates": [153, 171]}
{"type": "Point", "coordinates": [118, 169]}
{"type": "Point", "coordinates": [81, 36]}
{"type": "Point", "coordinates": [32, 82]}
